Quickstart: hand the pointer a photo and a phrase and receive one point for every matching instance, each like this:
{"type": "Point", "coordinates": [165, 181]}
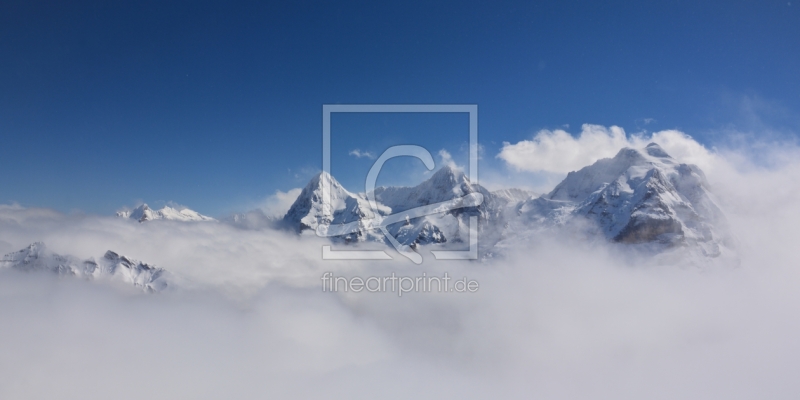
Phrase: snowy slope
{"type": "Point", "coordinates": [144, 213]}
{"type": "Point", "coordinates": [110, 267]}
{"type": "Point", "coordinates": [307, 212]}
{"type": "Point", "coordinates": [514, 195]}
{"type": "Point", "coordinates": [444, 185]}
{"type": "Point", "coordinates": [639, 196]}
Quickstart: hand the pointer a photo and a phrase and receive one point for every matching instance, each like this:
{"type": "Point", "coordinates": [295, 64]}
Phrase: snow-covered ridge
{"type": "Point", "coordinates": [144, 213]}
{"type": "Point", "coordinates": [451, 227]}
{"type": "Point", "coordinates": [638, 196]}
{"type": "Point", "coordinates": [514, 195]}
{"type": "Point", "coordinates": [110, 267]}
{"type": "Point", "coordinates": [307, 212]}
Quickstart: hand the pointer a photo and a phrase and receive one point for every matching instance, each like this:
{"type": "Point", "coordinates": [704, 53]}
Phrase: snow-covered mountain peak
{"type": "Point", "coordinates": [448, 175]}
{"type": "Point", "coordinates": [322, 176]}
{"type": "Point", "coordinates": [638, 196]}
{"type": "Point", "coordinates": [514, 195]}
{"type": "Point", "coordinates": [641, 195]}
{"type": "Point", "coordinates": [654, 150]}
{"type": "Point", "coordinates": [310, 211]}
{"type": "Point", "coordinates": [137, 213]}
{"type": "Point", "coordinates": [33, 249]}
{"type": "Point", "coordinates": [33, 256]}
{"type": "Point", "coordinates": [650, 155]}
{"type": "Point", "coordinates": [628, 165]}
{"type": "Point", "coordinates": [445, 184]}
{"type": "Point", "coordinates": [315, 185]}
{"type": "Point", "coordinates": [146, 276]}
{"type": "Point", "coordinates": [112, 266]}
{"type": "Point", "coordinates": [145, 213]}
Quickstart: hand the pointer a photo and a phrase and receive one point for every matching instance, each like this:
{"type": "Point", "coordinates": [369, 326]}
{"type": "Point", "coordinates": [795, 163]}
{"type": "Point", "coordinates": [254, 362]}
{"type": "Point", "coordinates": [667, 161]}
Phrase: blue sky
{"type": "Point", "coordinates": [215, 106]}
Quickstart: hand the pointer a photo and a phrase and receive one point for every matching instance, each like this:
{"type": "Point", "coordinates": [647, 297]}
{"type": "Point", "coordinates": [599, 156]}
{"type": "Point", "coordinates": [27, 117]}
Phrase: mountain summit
{"type": "Point", "coordinates": [638, 196]}
{"type": "Point", "coordinates": [309, 213]}
{"type": "Point", "coordinates": [446, 184]}
{"type": "Point", "coordinates": [144, 213]}
{"type": "Point", "coordinates": [111, 267]}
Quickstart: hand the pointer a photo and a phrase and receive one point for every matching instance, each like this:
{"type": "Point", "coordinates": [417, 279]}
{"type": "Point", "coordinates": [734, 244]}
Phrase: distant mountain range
{"type": "Point", "coordinates": [640, 196]}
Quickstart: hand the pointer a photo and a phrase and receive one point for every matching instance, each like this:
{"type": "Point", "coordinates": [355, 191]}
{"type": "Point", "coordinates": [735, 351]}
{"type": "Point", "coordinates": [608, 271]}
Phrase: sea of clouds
{"type": "Point", "coordinates": [555, 318]}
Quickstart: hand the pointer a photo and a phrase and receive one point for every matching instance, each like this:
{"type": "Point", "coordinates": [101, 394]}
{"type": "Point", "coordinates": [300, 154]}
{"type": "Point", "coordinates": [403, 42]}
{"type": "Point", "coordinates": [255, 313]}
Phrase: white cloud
{"type": "Point", "coordinates": [445, 158]}
{"type": "Point", "coordinates": [279, 203]}
{"type": "Point", "coordinates": [465, 150]}
{"type": "Point", "coordinates": [255, 324]}
{"type": "Point", "coordinates": [559, 152]}
{"type": "Point", "coordinates": [362, 154]}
